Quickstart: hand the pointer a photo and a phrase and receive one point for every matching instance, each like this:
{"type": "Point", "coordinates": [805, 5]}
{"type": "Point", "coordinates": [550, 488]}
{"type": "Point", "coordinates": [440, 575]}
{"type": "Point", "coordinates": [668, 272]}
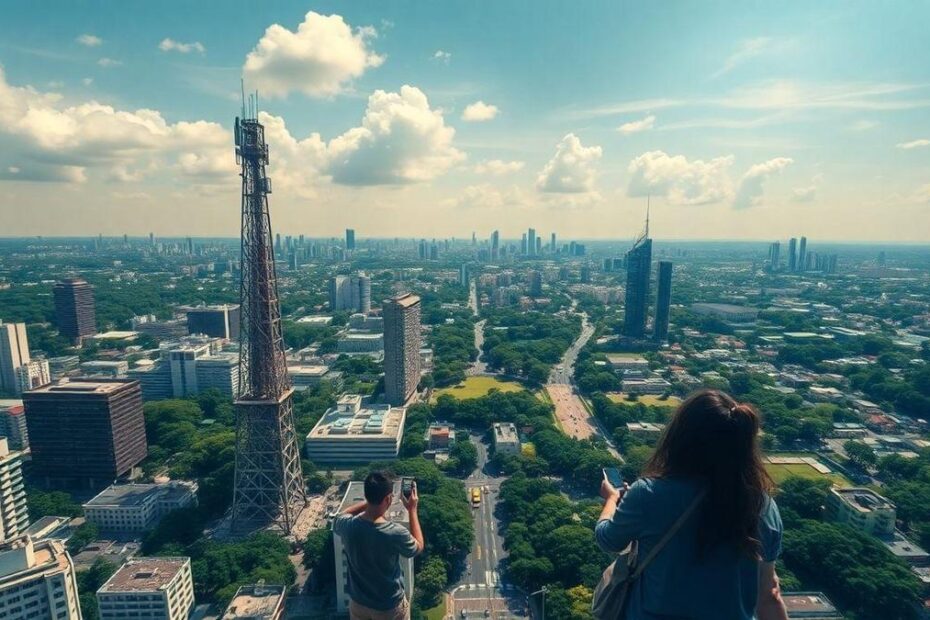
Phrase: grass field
{"type": "Point", "coordinates": [646, 399]}
{"type": "Point", "coordinates": [436, 613]}
{"type": "Point", "coordinates": [781, 472]}
{"type": "Point", "coordinates": [473, 387]}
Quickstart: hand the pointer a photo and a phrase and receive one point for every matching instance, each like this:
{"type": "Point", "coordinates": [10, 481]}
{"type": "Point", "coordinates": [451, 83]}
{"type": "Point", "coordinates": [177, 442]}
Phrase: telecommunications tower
{"type": "Point", "coordinates": [269, 487]}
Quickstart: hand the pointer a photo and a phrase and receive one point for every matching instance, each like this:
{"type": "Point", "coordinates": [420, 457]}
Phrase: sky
{"type": "Point", "coordinates": [735, 120]}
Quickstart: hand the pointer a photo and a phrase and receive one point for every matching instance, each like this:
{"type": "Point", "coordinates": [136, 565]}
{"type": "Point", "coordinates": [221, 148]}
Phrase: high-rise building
{"type": "Point", "coordinates": [663, 301]}
{"type": "Point", "coordinates": [350, 238]}
{"type": "Point", "coordinates": [802, 255]}
{"type": "Point", "coordinates": [13, 424]}
{"type": "Point", "coordinates": [74, 309]}
{"type": "Point", "coordinates": [37, 580]}
{"type": "Point", "coordinates": [14, 354]}
{"type": "Point", "coordinates": [218, 321]}
{"type": "Point", "coordinates": [351, 293]}
{"type": "Point", "coordinates": [531, 241]}
{"type": "Point", "coordinates": [538, 246]}
{"type": "Point", "coordinates": [792, 254]}
{"type": "Point", "coordinates": [495, 245]}
{"type": "Point", "coordinates": [638, 267]}
{"type": "Point", "coordinates": [14, 516]}
{"type": "Point", "coordinates": [160, 588]}
{"type": "Point", "coordinates": [552, 244]}
{"type": "Point", "coordinates": [535, 284]}
{"type": "Point", "coordinates": [433, 251]}
{"type": "Point", "coordinates": [85, 431]}
{"type": "Point", "coordinates": [401, 347]}
{"type": "Point", "coordinates": [355, 493]}
{"type": "Point", "coordinates": [774, 256]}
{"type": "Point", "coordinates": [464, 275]}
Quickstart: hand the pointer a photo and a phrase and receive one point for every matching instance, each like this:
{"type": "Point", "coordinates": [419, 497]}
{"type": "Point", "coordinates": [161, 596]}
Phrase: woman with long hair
{"type": "Point", "coordinates": [720, 563]}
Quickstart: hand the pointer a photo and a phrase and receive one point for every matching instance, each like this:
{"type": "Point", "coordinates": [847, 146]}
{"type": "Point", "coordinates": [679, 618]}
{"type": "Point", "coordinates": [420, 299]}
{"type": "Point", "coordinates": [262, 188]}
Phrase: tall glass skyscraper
{"type": "Point", "coordinates": [638, 263]}
{"type": "Point", "coordinates": [663, 301]}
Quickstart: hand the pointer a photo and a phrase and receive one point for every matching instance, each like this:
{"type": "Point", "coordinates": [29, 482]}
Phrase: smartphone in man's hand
{"type": "Point", "coordinates": [612, 475]}
{"type": "Point", "coordinates": [406, 486]}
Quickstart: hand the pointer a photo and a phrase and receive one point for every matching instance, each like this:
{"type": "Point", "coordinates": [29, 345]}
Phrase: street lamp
{"type": "Point", "coordinates": [543, 591]}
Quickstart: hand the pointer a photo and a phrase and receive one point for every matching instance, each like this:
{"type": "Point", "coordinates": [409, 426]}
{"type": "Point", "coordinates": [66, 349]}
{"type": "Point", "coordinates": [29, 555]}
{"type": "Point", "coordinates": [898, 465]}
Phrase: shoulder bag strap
{"type": "Point", "coordinates": [641, 566]}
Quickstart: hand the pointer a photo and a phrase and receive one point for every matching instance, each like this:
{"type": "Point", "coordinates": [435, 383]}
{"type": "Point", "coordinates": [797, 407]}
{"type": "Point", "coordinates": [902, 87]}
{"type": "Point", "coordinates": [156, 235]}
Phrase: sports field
{"type": "Point", "coordinates": [782, 471]}
{"type": "Point", "coordinates": [646, 399]}
{"type": "Point", "coordinates": [474, 387]}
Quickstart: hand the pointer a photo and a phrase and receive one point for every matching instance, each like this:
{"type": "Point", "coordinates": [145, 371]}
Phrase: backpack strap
{"type": "Point", "coordinates": [641, 566]}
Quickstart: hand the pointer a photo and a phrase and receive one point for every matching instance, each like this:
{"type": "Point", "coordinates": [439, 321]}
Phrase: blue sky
{"type": "Point", "coordinates": [741, 120]}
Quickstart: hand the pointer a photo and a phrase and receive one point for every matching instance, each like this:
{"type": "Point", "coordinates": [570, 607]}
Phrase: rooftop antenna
{"type": "Point", "coordinates": [648, 198]}
{"type": "Point", "coordinates": [242, 87]}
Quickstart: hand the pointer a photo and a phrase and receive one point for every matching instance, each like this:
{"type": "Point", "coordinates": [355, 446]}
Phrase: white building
{"type": "Point", "coordinates": [360, 342]}
{"type": "Point", "coordinates": [352, 432]}
{"type": "Point", "coordinates": [647, 385]}
{"type": "Point", "coordinates": [150, 588]}
{"type": "Point", "coordinates": [137, 507]}
{"type": "Point", "coordinates": [37, 580]}
{"type": "Point", "coordinates": [256, 602]}
{"type": "Point", "coordinates": [14, 516]}
{"type": "Point", "coordinates": [219, 372]}
{"type": "Point", "coordinates": [863, 509]}
{"type": "Point", "coordinates": [34, 374]}
{"type": "Point", "coordinates": [506, 439]}
{"type": "Point", "coordinates": [620, 361]}
{"type": "Point", "coordinates": [396, 513]}
{"type": "Point", "coordinates": [114, 369]}
{"type": "Point", "coordinates": [187, 367]}
{"type": "Point", "coordinates": [14, 356]}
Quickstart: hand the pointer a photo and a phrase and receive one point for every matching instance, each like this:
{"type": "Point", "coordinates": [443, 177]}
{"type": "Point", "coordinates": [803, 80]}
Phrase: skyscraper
{"type": "Point", "coordinates": [792, 254]}
{"type": "Point", "coordinates": [74, 309]}
{"type": "Point", "coordinates": [638, 266]}
{"type": "Point", "coordinates": [88, 431]}
{"type": "Point", "coordinates": [663, 301]}
{"type": "Point", "coordinates": [14, 516]}
{"type": "Point", "coordinates": [350, 238]}
{"type": "Point", "coordinates": [495, 245]}
{"type": "Point", "coordinates": [350, 293]}
{"type": "Point", "coordinates": [523, 245]}
{"type": "Point", "coordinates": [401, 347]}
{"type": "Point", "coordinates": [14, 354]}
{"type": "Point", "coordinates": [552, 244]}
{"type": "Point", "coordinates": [802, 254]}
{"type": "Point", "coordinates": [535, 284]}
{"type": "Point", "coordinates": [218, 321]}
{"type": "Point", "coordinates": [531, 241]}
{"type": "Point", "coordinates": [774, 256]}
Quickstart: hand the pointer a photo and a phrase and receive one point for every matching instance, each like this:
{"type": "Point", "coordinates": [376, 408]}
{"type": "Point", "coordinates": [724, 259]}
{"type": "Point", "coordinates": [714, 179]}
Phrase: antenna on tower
{"type": "Point", "coordinates": [648, 199]}
{"type": "Point", "coordinates": [242, 87]}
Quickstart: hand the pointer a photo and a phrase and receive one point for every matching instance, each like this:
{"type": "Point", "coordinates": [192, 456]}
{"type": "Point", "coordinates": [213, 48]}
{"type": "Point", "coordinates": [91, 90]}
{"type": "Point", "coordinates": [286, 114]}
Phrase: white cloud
{"type": "Point", "coordinates": [479, 111]}
{"type": "Point", "coordinates": [808, 193]}
{"type": "Point", "coordinates": [401, 140]}
{"type": "Point", "coordinates": [442, 56]}
{"type": "Point", "coordinates": [170, 45]}
{"type": "Point", "coordinates": [486, 196]}
{"type": "Point", "coordinates": [863, 125]}
{"type": "Point", "coordinates": [319, 59]}
{"type": "Point", "coordinates": [573, 169]}
{"type": "Point", "coordinates": [89, 40]}
{"type": "Point", "coordinates": [680, 181]}
{"type": "Point", "coordinates": [47, 140]}
{"type": "Point", "coordinates": [498, 167]}
{"type": "Point", "coordinates": [107, 63]}
{"type": "Point", "coordinates": [913, 144]}
{"type": "Point", "coordinates": [643, 124]}
{"type": "Point", "coordinates": [749, 193]}
{"type": "Point", "coordinates": [748, 49]}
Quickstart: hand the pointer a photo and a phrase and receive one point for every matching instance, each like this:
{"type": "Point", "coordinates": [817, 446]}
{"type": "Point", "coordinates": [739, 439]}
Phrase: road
{"type": "Point", "coordinates": [570, 411]}
{"type": "Point", "coordinates": [478, 367]}
{"type": "Point", "coordinates": [481, 586]}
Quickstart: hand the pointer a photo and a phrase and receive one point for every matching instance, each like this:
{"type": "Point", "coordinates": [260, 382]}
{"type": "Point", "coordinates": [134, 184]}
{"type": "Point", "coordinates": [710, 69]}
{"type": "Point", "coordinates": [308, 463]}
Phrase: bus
{"type": "Point", "coordinates": [475, 497]}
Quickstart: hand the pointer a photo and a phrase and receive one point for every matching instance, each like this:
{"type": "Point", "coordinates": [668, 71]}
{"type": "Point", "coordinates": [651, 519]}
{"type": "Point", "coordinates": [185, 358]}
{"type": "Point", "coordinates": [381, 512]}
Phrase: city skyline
{"type": "Point", "coordinates": [760, 122]}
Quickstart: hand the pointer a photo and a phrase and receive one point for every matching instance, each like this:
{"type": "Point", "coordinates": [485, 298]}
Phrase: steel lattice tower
{"type": "Point", "coordinates": [269, 487]}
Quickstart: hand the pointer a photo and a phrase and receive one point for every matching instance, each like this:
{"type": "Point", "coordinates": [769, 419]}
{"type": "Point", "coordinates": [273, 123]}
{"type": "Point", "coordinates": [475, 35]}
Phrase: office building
{"type": "Point", "coordinates": [220, 321]}
{"type": "Point", "coordinates": [14, 516]}
{"type": "Point", "coordinates": [351, 293]}
{"type": "Point", "coordinates": [75, 315]}
{"type": "Point", "coordinates": [154, 379]}
{"type": "Point", "coordinates": [13, 423]}
{"type": "Point", "coordinates": [792, 255]}
{"type": "Point", "coordinates": [256, 602]}
{"type": "Point", "coordinates": [506, 439]}
{"type": "Point", "coordinates": [464, 275]}
{"type": "Point", "coordinates": [863, 509]}
{"type": "Point", "coordinates": [663, 301]}
{"type": "Point", "coordinates": [187, 367]}
{"type": "Point", "coordinates": [136, 508]}
{"type": "Point", "coordinates": [802, 254]}
{"type": "Point", "coordinates": [396, 513]}
{"type": "Point", "coordinates": [218, 372]}
{"type": "Point", "coordinates": [350, 238]}
{"type": "Point", "coordinates": [360, 342]}
{"type": "Point", "coordinates": [150, 326]}
{"type": "Point", "coordinates": [37, 580]}
{"type": "Point", "coordinates": [113, 369]}
{"type": "Point", "coordinates": [531, 241]}
{"type": "Point", "coordinates": [535, 284]}
{"type": "Point", "coordinates": [306, 376]}
{"type": "Point", "coordinates": [33, 374]}
{"type": "Point", "coordinates": [495, 245]}
{"type": "Point", "coordinates": [152, 588]}
{"type": "Point", "coordinates": [85, 431]}
{"type": "Point", "coordinates": [14, 354]}
{"type": "Point", "coordinates": [552, 244]}
{"type": "Point", "coordinates": [401, 347]}
{"type": "Point", "coordinates": [638, 267]}
{"type": "Point", "coordinates": [775, 256]}
{"type": "Point", "coordinates": [353, 432]}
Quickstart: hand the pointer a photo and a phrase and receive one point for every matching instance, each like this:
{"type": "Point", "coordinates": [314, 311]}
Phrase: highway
{"type": "Point", "coordinates": [481, 588]}
{"type": "Point", "coordinates": [570, 411]}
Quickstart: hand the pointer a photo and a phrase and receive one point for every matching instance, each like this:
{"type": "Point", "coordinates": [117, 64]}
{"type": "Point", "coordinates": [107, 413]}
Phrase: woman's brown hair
{"type": "Point", "coordinates": [714, 439]}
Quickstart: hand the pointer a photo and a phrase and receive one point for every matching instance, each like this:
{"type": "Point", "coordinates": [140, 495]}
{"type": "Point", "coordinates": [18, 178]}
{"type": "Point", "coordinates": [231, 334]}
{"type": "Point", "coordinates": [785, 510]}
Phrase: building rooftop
{"type": "Point", "coordinates": [255, 602]}
{"type": "Point", "coordinates": [810, 605]}
{"type": "Point", "coordinates": [505, 431]}
{"type": "Point", "coordinates": [864, 500]}
{"type": "Point", "coordinates": [406, 300]}
{"type": "Point", "coordinates": [83, 385]}
{"type": "Point", "coordinates": [350, 419]}
{"type": "Point", "coordinates": [144, 575]}
{"type": "Point", "coordinates": [127, 495]}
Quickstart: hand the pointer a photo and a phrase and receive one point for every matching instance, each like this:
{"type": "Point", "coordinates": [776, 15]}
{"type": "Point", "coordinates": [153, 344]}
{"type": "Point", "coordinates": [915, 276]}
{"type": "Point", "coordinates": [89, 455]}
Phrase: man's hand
{"type": "Point", "coordinates": [410, 503]}
{"type": "Point", "coordinates": [610, 492]}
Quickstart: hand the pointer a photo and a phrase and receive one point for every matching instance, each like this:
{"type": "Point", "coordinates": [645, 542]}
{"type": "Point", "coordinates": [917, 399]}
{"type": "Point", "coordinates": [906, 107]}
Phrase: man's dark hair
{"type": "Point", "coordinates": [378, 485]}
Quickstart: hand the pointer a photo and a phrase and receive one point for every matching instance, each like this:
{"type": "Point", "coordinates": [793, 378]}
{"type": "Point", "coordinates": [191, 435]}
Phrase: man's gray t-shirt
{"type": "Point", "coordinates": [374, 551]}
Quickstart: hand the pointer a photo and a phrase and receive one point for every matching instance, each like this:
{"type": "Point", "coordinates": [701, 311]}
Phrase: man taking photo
{"type": "Point", "coordinates": [373, 546]}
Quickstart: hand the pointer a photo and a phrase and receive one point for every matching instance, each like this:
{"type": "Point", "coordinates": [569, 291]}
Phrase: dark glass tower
{"type": "Point", "coordinates": [663, 301]}
{"type": "Point", "coordinates": [638, 266]}
{"type": "Point", "coordinates": [74, 309]}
